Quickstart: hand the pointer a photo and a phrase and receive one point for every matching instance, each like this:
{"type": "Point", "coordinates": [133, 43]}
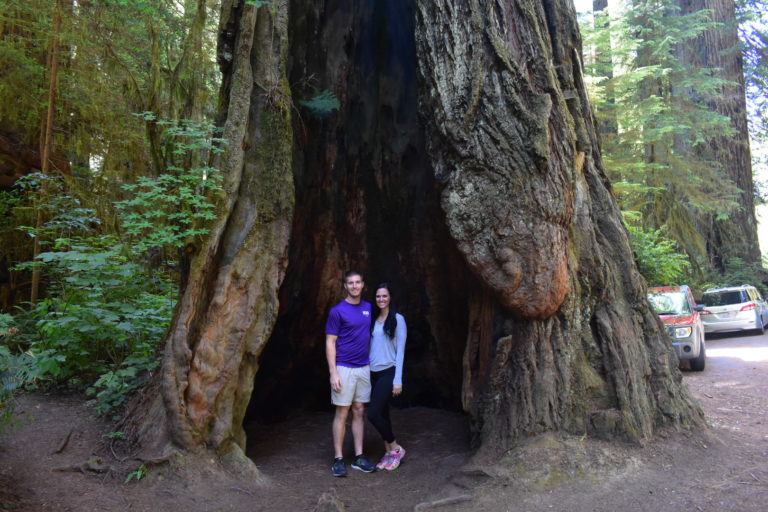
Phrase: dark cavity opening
{"type": "Point", "coordinates": [366, 198]}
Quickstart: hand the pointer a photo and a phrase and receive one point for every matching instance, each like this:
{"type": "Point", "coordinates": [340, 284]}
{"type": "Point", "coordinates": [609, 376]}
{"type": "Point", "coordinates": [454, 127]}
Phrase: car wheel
{"type": "Point", "coordinates": [698, 363]}
{"type": "Point", "coordinates": [761, 329]}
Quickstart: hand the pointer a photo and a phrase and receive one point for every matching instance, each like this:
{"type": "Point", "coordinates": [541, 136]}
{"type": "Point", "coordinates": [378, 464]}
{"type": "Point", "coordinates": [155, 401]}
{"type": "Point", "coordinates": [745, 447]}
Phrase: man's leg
{"type": "Point", "coordinates": [339, 428]}
{"type": "Point", "coordinates": [358, 426]}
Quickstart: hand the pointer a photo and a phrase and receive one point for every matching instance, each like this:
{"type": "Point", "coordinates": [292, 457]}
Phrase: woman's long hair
{"type": "Point", "coordinates": [390, 324]}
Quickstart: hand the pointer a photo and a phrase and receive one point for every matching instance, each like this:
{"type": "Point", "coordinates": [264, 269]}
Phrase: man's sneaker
{"type": "Point", "coordinates": [361, 463]}
{"type": "Point", "coordinates": [384, 461]}
{"type": "Point", "coordinates": [338, 468]}
{"type": "Point", "coordinates": [395, 459]}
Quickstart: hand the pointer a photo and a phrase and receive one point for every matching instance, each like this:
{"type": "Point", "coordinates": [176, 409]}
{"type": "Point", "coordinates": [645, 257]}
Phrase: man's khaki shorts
{"type": "Point", "coordinates": [355, 386]}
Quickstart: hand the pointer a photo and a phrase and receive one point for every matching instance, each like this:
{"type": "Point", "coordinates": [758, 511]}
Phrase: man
{"type": "Point", "coordinates": [347, 342]}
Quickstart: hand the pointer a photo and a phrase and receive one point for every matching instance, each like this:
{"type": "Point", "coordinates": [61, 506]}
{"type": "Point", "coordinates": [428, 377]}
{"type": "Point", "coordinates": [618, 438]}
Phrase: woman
{"type": "Point", "coordinates": [388, 334]}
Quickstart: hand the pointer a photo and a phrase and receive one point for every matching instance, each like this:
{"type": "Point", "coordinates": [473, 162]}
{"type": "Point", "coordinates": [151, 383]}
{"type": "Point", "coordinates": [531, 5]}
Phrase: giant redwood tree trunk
{"type": "Point", "coordinates": [574, 345]}
{"type": "Point", "coordinates": [462, 167]}
{"type": "Point", "coordinates": [719, 49]}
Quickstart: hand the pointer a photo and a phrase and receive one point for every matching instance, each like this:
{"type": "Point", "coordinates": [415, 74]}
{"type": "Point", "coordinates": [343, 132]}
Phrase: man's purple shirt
{"type": "Point", "coordinates": [351, 323]}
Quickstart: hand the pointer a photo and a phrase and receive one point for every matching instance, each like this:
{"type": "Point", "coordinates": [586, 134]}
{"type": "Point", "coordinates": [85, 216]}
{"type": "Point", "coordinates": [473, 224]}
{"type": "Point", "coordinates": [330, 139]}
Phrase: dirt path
{"type": "Point", "coordinates": [724, 470]}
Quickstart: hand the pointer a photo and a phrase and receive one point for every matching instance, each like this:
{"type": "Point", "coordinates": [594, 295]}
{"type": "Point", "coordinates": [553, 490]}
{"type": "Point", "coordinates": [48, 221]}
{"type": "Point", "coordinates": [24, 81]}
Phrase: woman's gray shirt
{"type": "Point", "coordinates": [387, 352]}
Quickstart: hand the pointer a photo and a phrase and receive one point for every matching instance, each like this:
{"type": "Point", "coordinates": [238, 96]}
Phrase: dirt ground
{"type": "Point", "coordinates": [724, 469]}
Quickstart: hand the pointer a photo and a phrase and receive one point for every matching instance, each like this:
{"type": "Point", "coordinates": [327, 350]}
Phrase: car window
{"type": "Point", "coordinates": [669, 303]}
{"type": "Point", "coordinates": [722, 298]}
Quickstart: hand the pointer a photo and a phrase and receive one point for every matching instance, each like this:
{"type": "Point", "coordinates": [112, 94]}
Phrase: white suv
{"type": "Point", "coordinates": [735, 308]}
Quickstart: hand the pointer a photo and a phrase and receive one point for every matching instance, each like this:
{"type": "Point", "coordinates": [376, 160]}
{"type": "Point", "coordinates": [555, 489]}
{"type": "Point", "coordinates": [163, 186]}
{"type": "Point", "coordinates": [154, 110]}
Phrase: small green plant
{"type": "Point", "coordinates": [6, 323]}
{"type": "Point", "coordinates": [140, 473]}
{"type": "Point", "coordinates": [322, 105]}
{"type": "Point", "coordinates": [113, 387]}
{"type": "Point", "coordinates": [15, 372]}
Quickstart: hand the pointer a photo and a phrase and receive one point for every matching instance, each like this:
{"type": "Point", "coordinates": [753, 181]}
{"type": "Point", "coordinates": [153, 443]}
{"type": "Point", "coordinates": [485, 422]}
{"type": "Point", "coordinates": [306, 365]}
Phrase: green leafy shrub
{"type": "Point", "coordinates": [9, 382]}
{"type": "Point", "coordinates": [9, 199]}
{"type": "Point", "coordinates": [658, 258]}
{"type": "Point", "coordinates": [14, 371]}
{"type": "Point", "coordinates": [174, 207]}
{"type": "Point", "coordinates": [100, 326]}
{"type": "Point", "coordinates": [107, 306]}
{"type": "Point", "coordinates": [738, 272]}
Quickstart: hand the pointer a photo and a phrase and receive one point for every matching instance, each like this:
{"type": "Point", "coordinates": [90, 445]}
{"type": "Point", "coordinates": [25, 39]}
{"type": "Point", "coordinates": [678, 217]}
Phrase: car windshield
{"type": "Point", "coordinates": [669, 303]}
{"type": "Point", "coordinates": [722, 298]}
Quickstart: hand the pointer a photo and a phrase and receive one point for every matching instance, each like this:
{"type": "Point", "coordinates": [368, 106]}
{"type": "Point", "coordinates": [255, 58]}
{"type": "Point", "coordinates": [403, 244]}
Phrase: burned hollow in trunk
{"type": "Point", "coordinates": [366, 198]}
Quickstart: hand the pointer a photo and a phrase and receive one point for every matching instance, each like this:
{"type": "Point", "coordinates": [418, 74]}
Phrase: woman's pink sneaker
{"type": "Point", "coordinates": [384, 461]}
{"type": "Point", "coordinates": [395, 459]}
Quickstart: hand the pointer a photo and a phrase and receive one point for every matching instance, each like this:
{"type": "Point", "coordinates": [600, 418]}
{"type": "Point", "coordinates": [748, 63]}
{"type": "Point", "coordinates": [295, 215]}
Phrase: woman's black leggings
{"type": "Point", "coordinates": [378, 409]}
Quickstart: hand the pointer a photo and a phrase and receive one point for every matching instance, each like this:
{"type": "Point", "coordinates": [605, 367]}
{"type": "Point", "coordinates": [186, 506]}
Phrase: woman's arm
{"type": "Point", "coordinates": [401, 333]}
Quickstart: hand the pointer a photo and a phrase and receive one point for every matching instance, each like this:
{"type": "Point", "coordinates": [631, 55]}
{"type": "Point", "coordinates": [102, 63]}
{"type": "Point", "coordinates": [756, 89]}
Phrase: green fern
{"type": "Point", "coordinates": [322, 105]}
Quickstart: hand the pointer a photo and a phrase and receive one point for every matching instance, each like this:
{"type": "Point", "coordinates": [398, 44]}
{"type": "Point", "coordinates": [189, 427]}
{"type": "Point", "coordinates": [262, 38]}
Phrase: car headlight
{"type": "Point", "coordinates": [682, 332]}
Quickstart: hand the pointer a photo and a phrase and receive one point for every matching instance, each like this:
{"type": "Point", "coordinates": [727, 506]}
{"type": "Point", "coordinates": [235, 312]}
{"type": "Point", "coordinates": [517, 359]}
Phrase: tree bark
{"type": "Point", "coordinates": [719, 49]}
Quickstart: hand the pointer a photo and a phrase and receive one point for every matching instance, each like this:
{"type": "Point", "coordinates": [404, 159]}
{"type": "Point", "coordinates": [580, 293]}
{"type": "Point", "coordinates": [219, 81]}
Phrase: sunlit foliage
{"type": "Point", "coordinates": [653, 112]}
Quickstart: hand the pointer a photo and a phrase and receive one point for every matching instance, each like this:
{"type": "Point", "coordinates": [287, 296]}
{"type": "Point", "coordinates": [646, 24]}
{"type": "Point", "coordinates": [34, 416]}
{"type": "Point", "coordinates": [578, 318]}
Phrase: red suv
{"type": "Point", "coordinates": [682, 318]}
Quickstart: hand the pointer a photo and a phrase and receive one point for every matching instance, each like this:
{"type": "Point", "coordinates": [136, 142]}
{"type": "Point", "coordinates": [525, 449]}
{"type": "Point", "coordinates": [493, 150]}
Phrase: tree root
{"type": "Point", "coordinates": [443, 502]}
{"type": "Point", "coordinates": [63, 443]}
{"type": "Point", "coordinates": [156, 461]}
{"type": "Point", "coordinates": [90, 466]}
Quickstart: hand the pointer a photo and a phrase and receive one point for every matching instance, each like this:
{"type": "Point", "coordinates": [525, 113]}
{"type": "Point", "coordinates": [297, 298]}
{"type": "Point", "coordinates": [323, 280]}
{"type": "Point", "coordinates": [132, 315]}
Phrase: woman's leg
{"type": "Point", "coordinates": [378, 408]}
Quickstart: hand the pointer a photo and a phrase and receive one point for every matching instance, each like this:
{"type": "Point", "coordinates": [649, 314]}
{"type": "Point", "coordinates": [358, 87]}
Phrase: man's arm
{"type": "Point", "coordinates": [330, 354]}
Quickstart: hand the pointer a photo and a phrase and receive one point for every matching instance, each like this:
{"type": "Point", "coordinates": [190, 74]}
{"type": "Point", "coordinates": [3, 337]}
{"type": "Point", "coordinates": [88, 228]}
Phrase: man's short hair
{"type": "Point", "coordinates": [350, 273]}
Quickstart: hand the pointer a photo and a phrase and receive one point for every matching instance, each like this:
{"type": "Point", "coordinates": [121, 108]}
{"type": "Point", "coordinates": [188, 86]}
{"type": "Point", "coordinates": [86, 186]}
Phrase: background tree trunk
{"type": "Point", "coordinates": [46, 136]}
{"type": "Point", "coordinates": [462, 167]}
{"type": "Point", "coordinates": [603, 57]}
{"type": "Point", "coordinates": [719, 48]}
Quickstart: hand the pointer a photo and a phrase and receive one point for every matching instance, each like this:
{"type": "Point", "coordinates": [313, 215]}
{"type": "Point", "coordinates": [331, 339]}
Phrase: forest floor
{"type": "Point", "coordinates": [723, 469]}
